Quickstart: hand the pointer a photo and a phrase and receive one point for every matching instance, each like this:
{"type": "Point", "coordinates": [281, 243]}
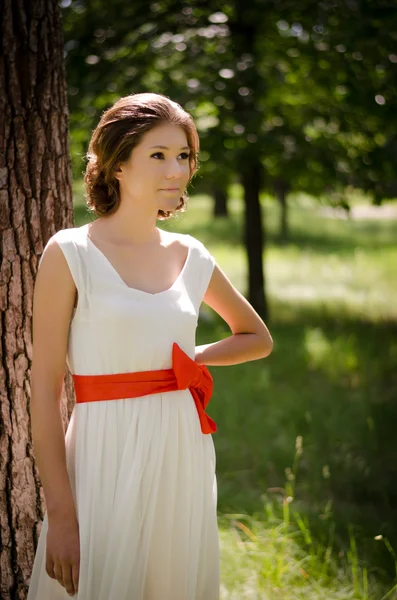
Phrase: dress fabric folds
{"type": "Point", "coordinates": [141, 469]}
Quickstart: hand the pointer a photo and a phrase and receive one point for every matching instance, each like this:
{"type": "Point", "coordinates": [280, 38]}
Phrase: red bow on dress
{"type": "Point", "coordinates": [185, 374]}
{"type": "Point", "coordinates": [199, 381]}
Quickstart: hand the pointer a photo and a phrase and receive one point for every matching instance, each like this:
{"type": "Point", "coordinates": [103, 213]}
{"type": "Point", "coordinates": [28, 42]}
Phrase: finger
{"type": "Point", "coordinates": [49, 566]}
{"type": "Point", "coordinates": [58, 573]}
{"type": "Point", "coordinates": [67, 579]}
{"type": "Point", "coordinates": [75, 576]}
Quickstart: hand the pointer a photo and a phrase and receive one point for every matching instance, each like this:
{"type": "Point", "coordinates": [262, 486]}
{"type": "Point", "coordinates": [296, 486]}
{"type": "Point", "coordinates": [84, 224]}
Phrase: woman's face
{"type": "Point", "coordinates": [149, 173]}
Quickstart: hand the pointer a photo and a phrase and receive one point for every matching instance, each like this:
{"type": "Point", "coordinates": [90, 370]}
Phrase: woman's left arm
{"type": "Point", "coordinates": [250, 339]}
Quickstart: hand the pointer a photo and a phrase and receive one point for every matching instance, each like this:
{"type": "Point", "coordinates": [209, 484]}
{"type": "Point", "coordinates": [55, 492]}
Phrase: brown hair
{"type": "Point", "coordinates": [119, 130]}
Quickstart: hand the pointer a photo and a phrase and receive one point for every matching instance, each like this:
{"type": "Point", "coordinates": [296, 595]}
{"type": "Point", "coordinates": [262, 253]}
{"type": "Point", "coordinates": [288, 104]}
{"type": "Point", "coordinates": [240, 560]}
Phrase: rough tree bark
{"type": "Point", "coordinates": [35, 201]}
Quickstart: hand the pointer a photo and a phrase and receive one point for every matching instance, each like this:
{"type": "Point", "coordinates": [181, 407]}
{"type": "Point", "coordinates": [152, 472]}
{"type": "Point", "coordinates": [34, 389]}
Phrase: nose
{"type": "Point", "coordinates": [175, 170]}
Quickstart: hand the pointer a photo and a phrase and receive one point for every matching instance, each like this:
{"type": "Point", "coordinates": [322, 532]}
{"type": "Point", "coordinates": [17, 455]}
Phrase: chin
{"type": "Point", "coordinates": [172, 205]}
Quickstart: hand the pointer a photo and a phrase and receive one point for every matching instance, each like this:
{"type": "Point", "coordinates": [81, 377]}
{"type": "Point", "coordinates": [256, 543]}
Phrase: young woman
{"type": "Point", "coordinates": [131, 491]}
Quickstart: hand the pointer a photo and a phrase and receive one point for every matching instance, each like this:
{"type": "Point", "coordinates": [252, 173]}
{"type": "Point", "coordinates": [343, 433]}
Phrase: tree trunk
{"type": "Point", "coordinates": [35, 201]}
{"type": "Point", "coordinates": [220, 204]}
{"type": "Point", "coordinates": [254, 238]}
{"type": "Point", "coordinates": [246, 30]}
{"type": "Point", "coordinates": [281, 190]}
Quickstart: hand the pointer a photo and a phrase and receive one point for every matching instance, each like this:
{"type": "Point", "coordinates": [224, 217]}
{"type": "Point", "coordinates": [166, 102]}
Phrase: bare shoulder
{"type": "Point", "coordinates": [54, 284]}
{"type": "Point", "coordinates": [52, 257]}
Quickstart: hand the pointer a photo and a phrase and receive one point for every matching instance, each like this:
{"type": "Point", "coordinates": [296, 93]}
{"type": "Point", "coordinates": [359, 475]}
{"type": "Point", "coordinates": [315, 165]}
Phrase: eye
{"type": "Point", "coordinates": [184, 154]}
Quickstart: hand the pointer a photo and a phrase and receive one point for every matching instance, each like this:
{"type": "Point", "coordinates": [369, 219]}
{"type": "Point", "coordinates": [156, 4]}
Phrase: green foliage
{"type": "Point", "coordinates": [308, 89]}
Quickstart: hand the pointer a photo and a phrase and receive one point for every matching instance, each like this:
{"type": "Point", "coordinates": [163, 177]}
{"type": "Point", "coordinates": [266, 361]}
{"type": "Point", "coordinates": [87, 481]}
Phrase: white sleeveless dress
{"type": "Point", "coordinates": [141, 470]}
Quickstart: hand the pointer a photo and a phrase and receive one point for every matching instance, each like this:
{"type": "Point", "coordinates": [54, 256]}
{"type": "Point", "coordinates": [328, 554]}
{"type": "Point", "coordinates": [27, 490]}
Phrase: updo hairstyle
{"type": "Point", "coordinates": [119, 130]}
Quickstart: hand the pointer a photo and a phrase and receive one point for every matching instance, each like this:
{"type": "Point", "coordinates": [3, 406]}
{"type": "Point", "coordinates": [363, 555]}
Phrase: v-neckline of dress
{"type": "Point", "coordinates": [121, 280]}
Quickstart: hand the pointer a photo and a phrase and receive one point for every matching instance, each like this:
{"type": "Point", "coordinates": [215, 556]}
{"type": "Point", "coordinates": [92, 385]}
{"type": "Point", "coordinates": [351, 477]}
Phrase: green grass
{"type": "Point", "coordinates": [306, 460]}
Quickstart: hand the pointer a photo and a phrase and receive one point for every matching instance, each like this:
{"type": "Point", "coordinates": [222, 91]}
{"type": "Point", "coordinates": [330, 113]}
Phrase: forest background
{"type": "Point", "coordinates": [295, 104]}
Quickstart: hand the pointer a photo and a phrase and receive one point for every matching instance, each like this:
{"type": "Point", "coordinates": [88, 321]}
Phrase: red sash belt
{"type": "Point", "coordinates": [185, 373]}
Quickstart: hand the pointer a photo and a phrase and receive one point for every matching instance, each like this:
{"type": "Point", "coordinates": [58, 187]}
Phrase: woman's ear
{"type": "Point", "coordinates": [117, 172]}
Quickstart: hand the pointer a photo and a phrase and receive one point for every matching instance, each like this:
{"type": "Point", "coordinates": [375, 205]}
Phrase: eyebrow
{"type": "Point", "coordinates": [166, 147]}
